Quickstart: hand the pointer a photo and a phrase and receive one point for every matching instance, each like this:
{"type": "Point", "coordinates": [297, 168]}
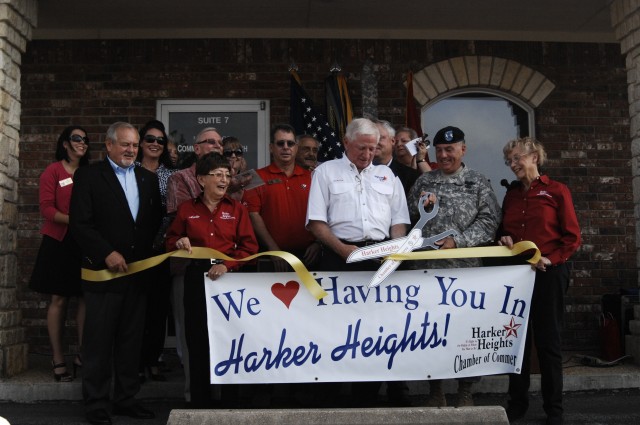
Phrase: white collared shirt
{"type": "Point", "coordinates": [357, 206]}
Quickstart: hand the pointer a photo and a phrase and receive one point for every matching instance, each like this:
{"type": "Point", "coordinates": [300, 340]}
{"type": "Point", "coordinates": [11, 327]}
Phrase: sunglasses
{"type": "Point", "coordinates": [78, 138]}
{"type": "Point", "coordinates": [237, 152]}
{"type": "Point", "coordinates": [210, 141]}
{"type": "Point", "coordinates": [281, 143]}
{"type": "Point", "coordinates": [150, 139]}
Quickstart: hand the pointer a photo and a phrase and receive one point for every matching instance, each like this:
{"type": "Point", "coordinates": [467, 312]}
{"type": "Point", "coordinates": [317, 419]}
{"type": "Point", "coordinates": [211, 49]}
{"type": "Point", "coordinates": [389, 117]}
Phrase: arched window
{"type": "Point", "coordinates": [489, 119]}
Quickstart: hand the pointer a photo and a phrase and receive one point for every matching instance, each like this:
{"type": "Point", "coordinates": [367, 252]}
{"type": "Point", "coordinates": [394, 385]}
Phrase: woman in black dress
{"type": "Point", "coordinates": [57, 268]}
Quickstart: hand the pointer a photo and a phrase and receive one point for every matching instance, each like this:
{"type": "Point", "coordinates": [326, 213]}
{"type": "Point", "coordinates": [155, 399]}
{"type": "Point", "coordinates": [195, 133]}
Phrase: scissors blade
{"type": "Point", "coordinates": [378, 250]}
{"type": "Point", "coordinates": [412, 241]}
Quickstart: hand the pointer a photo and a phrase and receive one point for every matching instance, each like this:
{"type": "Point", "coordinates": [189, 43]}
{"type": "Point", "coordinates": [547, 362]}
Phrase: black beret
{"type": "Point", "coordinates": [448, 135]}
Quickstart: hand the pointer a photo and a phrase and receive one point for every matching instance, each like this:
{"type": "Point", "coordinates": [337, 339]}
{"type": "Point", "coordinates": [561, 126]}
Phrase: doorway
{"type": "Point", "coordinates": [489, 120]}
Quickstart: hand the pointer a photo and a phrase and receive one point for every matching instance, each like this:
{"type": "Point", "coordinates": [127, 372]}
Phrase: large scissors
{"type": "Point", "coordinates": [411, 242]}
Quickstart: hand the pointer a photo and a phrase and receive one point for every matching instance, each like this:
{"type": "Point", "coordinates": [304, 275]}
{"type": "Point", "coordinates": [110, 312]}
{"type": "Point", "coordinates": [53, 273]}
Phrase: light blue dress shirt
{"type": "Point", "coordinates": [127, 179]}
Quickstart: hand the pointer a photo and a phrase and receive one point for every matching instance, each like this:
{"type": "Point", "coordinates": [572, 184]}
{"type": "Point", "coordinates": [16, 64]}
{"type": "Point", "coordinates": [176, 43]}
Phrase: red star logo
{"type": "Point", "coordinates": [511, 328]}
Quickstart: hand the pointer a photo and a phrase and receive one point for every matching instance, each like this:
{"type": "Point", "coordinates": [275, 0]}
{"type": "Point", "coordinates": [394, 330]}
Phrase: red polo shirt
{"type": "Point", "coordinates": [227, 229]}
{"type": "Point", "coordinates": [544, 214]}
{"type": "Point", "coordinates": [282, 204]}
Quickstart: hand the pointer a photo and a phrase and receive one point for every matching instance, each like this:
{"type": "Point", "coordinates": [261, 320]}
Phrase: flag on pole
{"type": "Point", "coordinates": [412, 117]}
{"type": "Point", "coordinates": [339, 109]}
{"type": "Point", "coordinates": [306, 119]}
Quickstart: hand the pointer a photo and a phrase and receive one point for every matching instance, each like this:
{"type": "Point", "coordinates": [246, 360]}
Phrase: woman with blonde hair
{"type": "Point", "coordinates": [539, 209]}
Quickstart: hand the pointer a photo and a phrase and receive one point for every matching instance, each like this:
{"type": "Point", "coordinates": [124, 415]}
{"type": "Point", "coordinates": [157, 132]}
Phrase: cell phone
{"type": "Point", "coordinates": [412, 145]}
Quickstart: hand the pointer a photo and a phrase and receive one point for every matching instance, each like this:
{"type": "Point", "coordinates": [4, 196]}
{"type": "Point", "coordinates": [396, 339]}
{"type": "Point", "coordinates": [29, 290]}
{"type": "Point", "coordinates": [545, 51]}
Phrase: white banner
{"type": "Point", "coordinates": [417, 325]}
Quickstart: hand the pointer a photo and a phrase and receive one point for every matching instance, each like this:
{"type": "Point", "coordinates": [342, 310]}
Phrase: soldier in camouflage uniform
{"type": "Point", "coordinates": [467, 205]}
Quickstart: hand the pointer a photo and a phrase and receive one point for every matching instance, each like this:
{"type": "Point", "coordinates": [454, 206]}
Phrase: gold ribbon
{"type": "Point", "coordinates": [307, 279]}
{"type": "Point", "coordinates": [205, 253]}
{"type": "Point", "coordinates": [481, 251]}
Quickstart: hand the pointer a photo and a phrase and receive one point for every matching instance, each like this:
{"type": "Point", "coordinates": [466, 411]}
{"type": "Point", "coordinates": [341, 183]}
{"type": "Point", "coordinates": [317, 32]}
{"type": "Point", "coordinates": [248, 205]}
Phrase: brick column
{"type": "Point", "coordinates": [625, 19]}
{"type": "Point", "coordinates": [17, 20]}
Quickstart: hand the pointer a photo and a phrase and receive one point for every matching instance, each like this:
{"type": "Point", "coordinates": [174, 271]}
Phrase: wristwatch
{"type": "Point", "coordinates": [421, 160]}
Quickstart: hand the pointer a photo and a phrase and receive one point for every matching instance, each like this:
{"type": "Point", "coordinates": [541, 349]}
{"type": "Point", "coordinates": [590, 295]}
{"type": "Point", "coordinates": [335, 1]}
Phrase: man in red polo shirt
{"type": "Point", "coordinates": [278, 208]}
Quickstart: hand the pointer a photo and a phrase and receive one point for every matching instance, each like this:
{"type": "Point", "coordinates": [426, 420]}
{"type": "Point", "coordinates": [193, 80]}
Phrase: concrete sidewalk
{"type": "Point", "coordinates": [37, 384]}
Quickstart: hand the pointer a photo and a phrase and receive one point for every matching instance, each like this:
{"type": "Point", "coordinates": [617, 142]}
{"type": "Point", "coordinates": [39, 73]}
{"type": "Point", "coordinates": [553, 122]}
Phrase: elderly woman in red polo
{"type": "Point", "coordinates": [212, 220]}
{"type": "Point", "coordinates": [539, 209]}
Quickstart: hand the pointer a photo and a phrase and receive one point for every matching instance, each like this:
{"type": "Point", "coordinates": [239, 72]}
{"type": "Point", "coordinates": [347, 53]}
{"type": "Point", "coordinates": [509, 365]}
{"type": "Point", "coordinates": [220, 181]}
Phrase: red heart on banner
{"type": "Point", "coordinates": [285, 293]}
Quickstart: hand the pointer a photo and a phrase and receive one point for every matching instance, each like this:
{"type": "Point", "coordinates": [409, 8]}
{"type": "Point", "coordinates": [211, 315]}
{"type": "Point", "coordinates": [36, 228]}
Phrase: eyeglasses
{"type": "Point", "coordinates": [515, 158]}
{"type": "Point", "coordinates": [150, 139]}
{"type": "Point", "coordinates": [220, 175]}
{"type": "Point", "coordinates": [237, 152]}
{"type": "Point", "coordinates": [78, 138]}
{"type": "Point", "coordinates": [281, 143]}
{"type": "Point", "coordinates": [210, 141]}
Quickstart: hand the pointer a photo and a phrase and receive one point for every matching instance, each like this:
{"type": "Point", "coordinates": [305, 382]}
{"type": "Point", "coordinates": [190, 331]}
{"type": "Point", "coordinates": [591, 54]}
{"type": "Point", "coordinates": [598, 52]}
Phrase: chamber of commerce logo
{"type": "Point", "coordinates": [512, 328]}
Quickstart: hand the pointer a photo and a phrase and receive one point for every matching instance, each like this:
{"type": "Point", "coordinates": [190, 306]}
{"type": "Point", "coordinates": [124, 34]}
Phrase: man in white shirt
{"type": "Point", "coordinates": [354, 203]}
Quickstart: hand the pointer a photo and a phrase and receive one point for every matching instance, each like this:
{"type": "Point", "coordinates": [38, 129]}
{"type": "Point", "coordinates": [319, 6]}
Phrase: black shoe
{"type": "Point", "coordinates": [261, 400]}
{"type": "Point", "coordinates": [398, 394]}
{"type": "Point", "coordinates": [98, 417]}
{"type": "Point", "coordinates": [554, 420]}
{"type": "Point", "coordinates": [134, 411]}
{"type": "Point", "coordinates": [155, 375]}
{"type": "Point", "coordinates": [515, 413]}
{"type": "Point", "coordinates": [401, 399]}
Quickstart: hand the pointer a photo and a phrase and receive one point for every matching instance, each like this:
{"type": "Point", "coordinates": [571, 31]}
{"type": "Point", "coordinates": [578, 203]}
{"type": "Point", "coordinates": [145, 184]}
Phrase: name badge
{"type": "Point", "coordinates": [65, 182]}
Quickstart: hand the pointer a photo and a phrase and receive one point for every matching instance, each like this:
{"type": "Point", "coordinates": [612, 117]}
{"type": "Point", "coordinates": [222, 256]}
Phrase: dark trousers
{"type": "Point", "coordinates": [196, 333]}
{"type": "Point", "coordinates": [155, 327]}
{"type": "Point", "coordinates": [111, 342]}
{"type": "Point", "coordinates": [545, 326]}
{"type": "Point", "coordinates": [197, 338]}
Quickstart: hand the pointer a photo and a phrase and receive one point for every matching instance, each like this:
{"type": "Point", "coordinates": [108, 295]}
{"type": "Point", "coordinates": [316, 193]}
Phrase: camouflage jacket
{"type": "Point", "coordinates": [467, 205]}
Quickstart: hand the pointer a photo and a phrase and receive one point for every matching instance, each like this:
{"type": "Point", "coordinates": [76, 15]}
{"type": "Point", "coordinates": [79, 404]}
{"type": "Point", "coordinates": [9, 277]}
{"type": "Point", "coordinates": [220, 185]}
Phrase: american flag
{"type": "Point", "coordinates": [306, 119]}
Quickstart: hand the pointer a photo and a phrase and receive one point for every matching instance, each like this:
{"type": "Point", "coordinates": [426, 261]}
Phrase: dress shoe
{"type": "Point", "coordinates": [134, 411]}
{"type": "Point", "coordinates": [515, 413]}
{"type": "Point", "coordinates": [398, 394]}
{"type": "Point", "coordinates": [98, 417]}
{"type": "Point", "coordinates": [155, 375]}
{"type": "Point", "coordinates": [554, 420]}
{"type": "Point", "coordinates": [399, 399]}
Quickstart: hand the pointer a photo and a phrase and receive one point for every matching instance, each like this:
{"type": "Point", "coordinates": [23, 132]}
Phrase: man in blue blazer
{"type": "Point", "coordinates": [114, 216]}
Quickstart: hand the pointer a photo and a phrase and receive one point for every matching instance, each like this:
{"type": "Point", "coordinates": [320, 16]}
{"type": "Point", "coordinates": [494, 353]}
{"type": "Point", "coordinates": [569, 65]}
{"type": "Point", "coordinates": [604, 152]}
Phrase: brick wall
{"type": "Point", "coordinates": [584, 124]}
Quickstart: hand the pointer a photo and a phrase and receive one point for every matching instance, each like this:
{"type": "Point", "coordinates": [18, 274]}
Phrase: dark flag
{"type": "Point", "coordinates": [306, 119]}
{"type": "Point", "coordinates": [339, 109]}
{"type": "Point", "coordinates": [412, 117]}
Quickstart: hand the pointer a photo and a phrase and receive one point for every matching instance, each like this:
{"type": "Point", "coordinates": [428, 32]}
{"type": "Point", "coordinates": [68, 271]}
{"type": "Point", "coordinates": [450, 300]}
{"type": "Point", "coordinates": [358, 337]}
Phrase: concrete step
{"type": "Point", "coordinates": [493, 415]}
